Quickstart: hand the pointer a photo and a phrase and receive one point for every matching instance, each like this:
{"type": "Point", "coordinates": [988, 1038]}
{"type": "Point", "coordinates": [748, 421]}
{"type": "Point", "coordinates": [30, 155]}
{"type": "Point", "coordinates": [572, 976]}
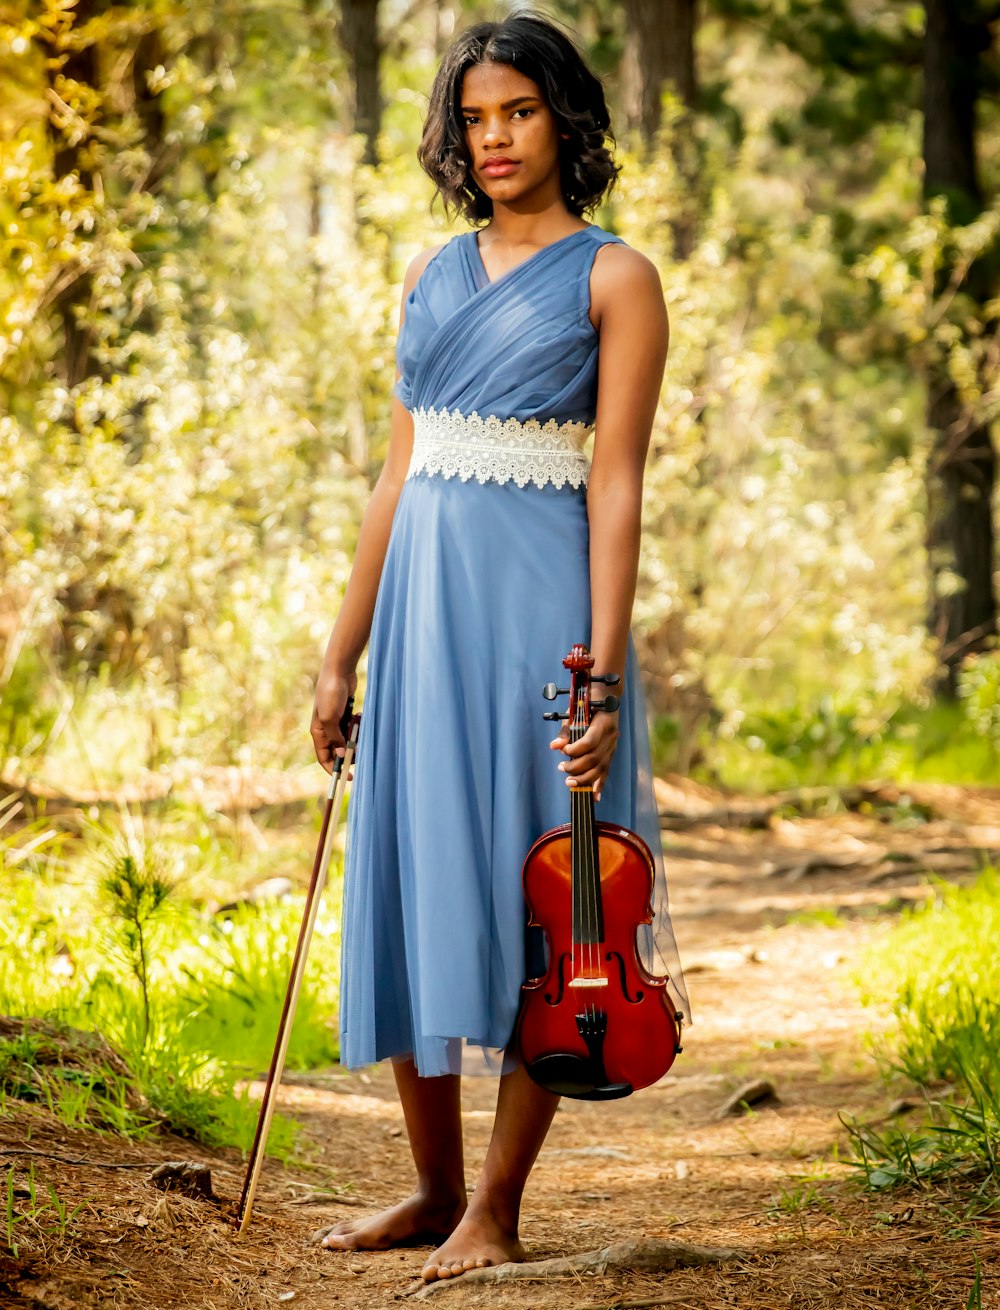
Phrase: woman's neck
{"type": "Point", "coordinates": [511, 229]}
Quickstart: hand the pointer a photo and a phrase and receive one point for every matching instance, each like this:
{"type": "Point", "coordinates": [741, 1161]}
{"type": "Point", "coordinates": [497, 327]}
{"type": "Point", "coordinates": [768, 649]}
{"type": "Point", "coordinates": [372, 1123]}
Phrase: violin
{"type": "Point", "coordinates": [597, 1025]}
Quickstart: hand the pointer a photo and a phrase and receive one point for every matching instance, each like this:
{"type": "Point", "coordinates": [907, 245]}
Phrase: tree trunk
{"type": "Point", "coordinates": [962, 469]}
{"type": "Point", "coordinates": [76, 359]}
{"type": "Point", "coordinates": [952, 47]}
{"type": "Point", "coordinates": [359, 37]}
{"type": "Point", "coordinates": [659, 48]}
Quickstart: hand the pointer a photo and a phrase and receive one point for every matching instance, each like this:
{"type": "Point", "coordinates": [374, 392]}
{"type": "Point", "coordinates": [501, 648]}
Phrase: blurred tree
{"type": "Point", "coordinates": [75, 110]}
{"type": "Point", "coordinates": [358, 32]}
{"type": "Point", "coordinates": [659, 50]}
{"type": "Point", "coordinates": [659, 54]}
{"type": "Point", "coordinates": [880, 62]}
{"type": "Point", "coordinates": [960, 68]}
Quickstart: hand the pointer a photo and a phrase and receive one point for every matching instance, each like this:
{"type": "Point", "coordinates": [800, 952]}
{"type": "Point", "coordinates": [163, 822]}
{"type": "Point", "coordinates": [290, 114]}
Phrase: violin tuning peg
{"type": "Point", "coordinates": [553, 716]}
{"type": "Point", "coordinates": [550, 691]}
{"type": "Point", "coordinates": [608, 679]}
{"type": "Point", "coordinates": [609, 703]}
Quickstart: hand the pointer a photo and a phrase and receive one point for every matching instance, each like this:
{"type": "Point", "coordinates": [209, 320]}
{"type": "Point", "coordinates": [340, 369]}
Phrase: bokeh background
{"type": "Point", "coordinates": [205, 214]}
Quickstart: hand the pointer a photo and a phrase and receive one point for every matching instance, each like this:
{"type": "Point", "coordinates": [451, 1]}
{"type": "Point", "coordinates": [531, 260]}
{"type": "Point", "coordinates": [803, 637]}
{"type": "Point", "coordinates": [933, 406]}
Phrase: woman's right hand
{"type": "Point", "coordinates": [332, 691]}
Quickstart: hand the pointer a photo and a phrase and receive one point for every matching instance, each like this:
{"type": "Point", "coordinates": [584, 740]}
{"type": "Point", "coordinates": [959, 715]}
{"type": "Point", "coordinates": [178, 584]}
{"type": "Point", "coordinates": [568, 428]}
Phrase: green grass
{"type": "Point", "coordinates": [822, 743]}
{"type": "Point", "coordinates": [104, 937]}
{"type": "Point", "coordinates": [48, 1215]}
{"type": "Point", "coordinates": [823, 916]}
{"type": "Point", "coordinates": [939, 971]}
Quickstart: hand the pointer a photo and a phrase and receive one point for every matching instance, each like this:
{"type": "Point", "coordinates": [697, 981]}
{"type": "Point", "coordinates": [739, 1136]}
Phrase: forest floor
{"type": "Point", "coordinates": [772, 922]}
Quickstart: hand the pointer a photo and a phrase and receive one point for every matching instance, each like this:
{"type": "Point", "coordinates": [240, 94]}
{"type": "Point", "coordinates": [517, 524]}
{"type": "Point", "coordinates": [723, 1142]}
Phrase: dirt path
{"type": "Point", "coordinates": [771, 930]}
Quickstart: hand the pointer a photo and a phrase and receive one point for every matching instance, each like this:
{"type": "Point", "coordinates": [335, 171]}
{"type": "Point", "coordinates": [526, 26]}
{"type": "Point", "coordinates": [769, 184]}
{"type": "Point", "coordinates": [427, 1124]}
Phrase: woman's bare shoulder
{"type": "Point", "coordinates": [623, 275]}
{"type": "Point", "coordinates": [620, 268]}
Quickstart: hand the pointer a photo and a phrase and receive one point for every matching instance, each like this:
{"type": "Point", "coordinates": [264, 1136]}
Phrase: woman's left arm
{"type": "Point", "coordinates": [628, 310]}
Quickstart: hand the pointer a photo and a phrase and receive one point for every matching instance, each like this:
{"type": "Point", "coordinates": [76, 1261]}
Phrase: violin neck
{"type": "Point", "coordinates": [588, 909]}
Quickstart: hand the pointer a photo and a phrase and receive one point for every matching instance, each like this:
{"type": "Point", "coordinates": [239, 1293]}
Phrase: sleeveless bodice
{"type": "Point", "coordinates": [501, 376]}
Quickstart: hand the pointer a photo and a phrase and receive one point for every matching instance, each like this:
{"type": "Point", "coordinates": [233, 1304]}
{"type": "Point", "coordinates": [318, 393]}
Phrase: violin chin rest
{"type": "Point", "coordinates": [575, 1076]}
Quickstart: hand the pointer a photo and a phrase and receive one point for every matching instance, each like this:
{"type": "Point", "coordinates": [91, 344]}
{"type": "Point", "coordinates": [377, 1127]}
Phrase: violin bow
{"type": "Point", "coordinates": [350, 724]}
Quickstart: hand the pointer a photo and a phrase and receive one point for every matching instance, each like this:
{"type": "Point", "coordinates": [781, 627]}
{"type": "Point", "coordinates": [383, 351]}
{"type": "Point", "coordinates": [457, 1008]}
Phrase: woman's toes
{"type": "Point", "coordinates": [336, 1235]}
{"type": "Point", "coordinates": [483, 1263]}
{"type": "Point", "coordinates": [338, 1230]}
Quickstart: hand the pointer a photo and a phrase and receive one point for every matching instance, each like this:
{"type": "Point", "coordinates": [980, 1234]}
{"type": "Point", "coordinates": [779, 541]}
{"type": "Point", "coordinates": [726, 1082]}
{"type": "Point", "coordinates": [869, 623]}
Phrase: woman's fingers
{"type": "Point", "coordinates": [321, 743]}
{"type": "Point", "coordinates": [328, 719]}
{"type": "Point", "coordinates": [587, 761]}
{"type": "Point", "coordinates": [589, 750]}
{"type": "Point", "coordinates": [332, 693]}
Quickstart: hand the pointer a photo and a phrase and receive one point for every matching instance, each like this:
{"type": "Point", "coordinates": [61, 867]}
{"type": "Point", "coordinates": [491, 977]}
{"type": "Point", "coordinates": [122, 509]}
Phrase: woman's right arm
{"type": "Point", "coordinates": [337, 677]}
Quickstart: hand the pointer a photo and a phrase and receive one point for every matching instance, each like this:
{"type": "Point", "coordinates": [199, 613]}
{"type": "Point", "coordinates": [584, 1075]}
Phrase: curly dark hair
{"type": "Point", "coordinates": [539, 49]}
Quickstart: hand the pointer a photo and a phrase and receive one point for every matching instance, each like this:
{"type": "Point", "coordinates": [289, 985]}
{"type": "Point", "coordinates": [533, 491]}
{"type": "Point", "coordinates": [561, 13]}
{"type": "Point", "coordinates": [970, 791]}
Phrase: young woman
{"type": "Point", "coordinates": [489, 547]}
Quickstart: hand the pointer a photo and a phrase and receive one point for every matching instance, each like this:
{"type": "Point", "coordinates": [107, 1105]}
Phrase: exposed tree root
{"type": "Point", "coordinates": [627, 1257]}
{"type": "Point", "coordinates": [9, 1152]}
{"type": "Point", "coordinates": [679, 1304]}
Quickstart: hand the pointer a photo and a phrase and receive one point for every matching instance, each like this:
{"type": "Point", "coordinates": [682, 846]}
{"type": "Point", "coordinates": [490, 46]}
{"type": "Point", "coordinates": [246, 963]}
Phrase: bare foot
{"type": "Point", "coordinates": [477, 1242]}
{"type": "Point", "coordinates": [417, 1221]}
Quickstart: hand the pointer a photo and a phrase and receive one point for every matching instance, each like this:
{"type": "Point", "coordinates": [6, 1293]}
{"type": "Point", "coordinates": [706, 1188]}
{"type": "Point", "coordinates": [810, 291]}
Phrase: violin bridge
{"type": "Point", "coordinates": [587, 982]}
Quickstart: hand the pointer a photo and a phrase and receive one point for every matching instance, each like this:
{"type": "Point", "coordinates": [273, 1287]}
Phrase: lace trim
{"type": "Point", "coordinates": [452, 444]}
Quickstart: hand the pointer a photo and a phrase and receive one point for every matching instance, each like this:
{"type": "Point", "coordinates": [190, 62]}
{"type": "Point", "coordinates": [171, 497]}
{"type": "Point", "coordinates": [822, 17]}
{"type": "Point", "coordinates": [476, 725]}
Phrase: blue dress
{"type": "Point", "coordinates": [484, 589]}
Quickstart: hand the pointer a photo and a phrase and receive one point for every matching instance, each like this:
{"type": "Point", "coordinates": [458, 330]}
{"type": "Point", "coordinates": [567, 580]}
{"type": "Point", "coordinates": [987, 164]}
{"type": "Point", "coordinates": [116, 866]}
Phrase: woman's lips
{"type": "Point", "coordinates": [499, 169]}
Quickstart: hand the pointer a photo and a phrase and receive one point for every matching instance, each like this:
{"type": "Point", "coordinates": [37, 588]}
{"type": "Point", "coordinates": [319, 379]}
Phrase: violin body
{"type": "Point", "coordinates": [597, 1025]}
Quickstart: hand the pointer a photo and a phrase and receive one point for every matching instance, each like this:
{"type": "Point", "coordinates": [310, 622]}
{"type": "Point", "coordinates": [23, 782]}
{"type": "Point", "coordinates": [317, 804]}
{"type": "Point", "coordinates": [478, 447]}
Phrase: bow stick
{"type": "Point", "coordinates": [349, 726]}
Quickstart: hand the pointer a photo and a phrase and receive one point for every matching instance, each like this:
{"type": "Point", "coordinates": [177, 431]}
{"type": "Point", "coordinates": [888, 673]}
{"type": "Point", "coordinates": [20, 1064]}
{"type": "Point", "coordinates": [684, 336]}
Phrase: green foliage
{"type": "Point", "coordinates": [975, 1301]}
{"type": "Point", "coordinates": [941, 974]}
{"type": "Point", "coordinates": [48, 1216]}
{"type": "Point", "coordinates": [191, 1000]}
{"type": "Point", "coordinates": [939, 971]}
{"type": "Point", "coordinates": [979, 689]}
{"type": "Point", "coordinates": [137, 894]}
{"type": "Point", "coordinates": [830, 742]}
{"type": "Point", "coordinates": [955, 1152]}
{"type": "Point", "coordinates": [252, 953]}
{"type": "Point", "coordinates": [185, 485]}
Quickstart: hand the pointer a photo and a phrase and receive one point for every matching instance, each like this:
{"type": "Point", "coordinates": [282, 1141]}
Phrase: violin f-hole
{"type": "Point", "coordinates": [560, 978]}
{"type": "Point", "coordinates": [632, 1000]}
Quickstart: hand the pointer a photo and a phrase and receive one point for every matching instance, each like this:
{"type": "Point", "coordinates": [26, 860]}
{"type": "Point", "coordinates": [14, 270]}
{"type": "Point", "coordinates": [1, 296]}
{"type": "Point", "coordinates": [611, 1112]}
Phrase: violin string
{"type": "Point", "coordinates": [575, 856]}
{"type": "Point", "coordinates": [581, 905]}
{"type": "Point", "coordinates": [581, 870]}
{"type": "Point", "coordinates": [585, 797]}
{"type": "Point", "coordinates": [588, 809]}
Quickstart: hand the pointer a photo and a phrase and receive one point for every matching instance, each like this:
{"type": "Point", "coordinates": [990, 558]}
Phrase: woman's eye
{"type": "Point", "coordinates": [524, 111]}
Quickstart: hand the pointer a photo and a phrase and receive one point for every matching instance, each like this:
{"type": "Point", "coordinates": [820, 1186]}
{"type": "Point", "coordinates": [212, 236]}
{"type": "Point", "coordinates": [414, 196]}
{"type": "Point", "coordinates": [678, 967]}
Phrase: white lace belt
{"type": "Point", "coordinates": [452, 444]}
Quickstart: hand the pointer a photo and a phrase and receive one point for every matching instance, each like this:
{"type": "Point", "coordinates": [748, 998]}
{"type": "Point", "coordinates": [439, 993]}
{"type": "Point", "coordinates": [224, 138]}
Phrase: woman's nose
{"type": "Point", "coordinates": [496, 132]}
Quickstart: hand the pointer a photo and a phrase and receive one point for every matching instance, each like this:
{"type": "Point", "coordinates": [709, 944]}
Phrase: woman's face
{"type": "Point", "coordinates": [507, 120]}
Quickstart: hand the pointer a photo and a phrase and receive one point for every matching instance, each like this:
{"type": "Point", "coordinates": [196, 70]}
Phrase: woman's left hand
{"type": "Point", "coordinates": [588, 760]}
